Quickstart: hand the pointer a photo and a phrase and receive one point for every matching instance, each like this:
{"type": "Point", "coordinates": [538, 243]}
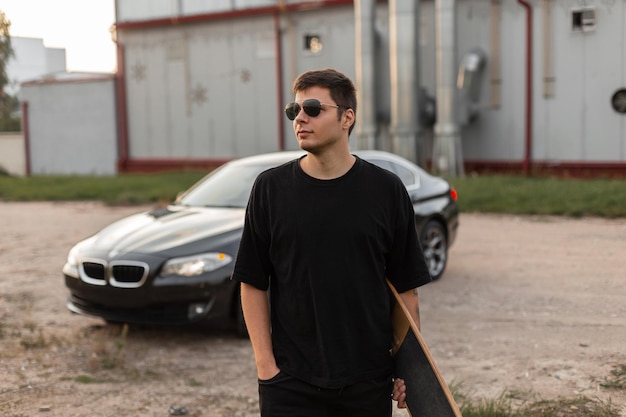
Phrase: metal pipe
{"type": "Point", "coordinates": [279, 74]}
{"type": "Point", "coordinates": [548, 48]}
{"type": "Point", "coordinates": [447, 149]}
{"type": "Point", "coordinates": [404, 52]}
{"type": "Point", "coordinates": [494, 62]}
{"type": "Point", "coordinates": [364, 15]}
{"type": "Point", "coordinates": [26, 130]}
{"type": "Point", "coordinates": [529, 87]}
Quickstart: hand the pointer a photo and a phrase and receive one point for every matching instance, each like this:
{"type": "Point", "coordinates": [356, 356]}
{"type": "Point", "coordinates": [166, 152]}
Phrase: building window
{"type": "Point", "coordinates": [312, 43]}
{"type": "Point", "coordinates": [584, 19]}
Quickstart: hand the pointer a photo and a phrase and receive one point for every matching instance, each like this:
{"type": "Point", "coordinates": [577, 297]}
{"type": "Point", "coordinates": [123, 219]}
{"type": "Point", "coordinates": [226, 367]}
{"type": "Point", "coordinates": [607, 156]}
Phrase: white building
{"type": "Point", "coordinates": [69, 119]}
{"type": "Point", "coordinates": [32, 60]}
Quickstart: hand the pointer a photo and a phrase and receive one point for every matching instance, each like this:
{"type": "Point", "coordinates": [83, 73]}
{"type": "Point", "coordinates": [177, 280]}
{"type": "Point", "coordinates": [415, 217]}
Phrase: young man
{"type": "Point", "coordinates": [322, 233]}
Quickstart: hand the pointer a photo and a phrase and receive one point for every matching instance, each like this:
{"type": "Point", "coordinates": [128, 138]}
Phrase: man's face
{"type": "Point", "coordinates": [321, 132]}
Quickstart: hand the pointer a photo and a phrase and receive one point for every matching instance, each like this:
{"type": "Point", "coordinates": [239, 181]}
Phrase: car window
{"type": "Point", "coordinates": [228, 186]}
{"type": "Point", "coordinates": [405, 174]}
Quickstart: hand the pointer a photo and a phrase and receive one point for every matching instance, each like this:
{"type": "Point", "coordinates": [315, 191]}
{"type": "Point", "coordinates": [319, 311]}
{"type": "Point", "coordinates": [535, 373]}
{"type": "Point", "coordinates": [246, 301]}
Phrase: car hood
{"type": "Point", "coordinates": [164, 229]}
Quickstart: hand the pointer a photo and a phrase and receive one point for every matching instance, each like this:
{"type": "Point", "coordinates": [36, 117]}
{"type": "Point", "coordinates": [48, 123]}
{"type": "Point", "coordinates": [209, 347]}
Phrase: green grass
{"type": "Point", "coordinates": [118, 190]}
{"type": "Point", "coordinates": [542, 196]}
{"type": "Point", "coordinates": [486, 194]}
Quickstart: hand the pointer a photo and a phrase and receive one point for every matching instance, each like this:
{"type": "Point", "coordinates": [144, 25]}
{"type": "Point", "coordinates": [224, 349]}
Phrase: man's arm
{"type": "Point", "coordinates": [256, 312]}
{"type": "Point", "coordinates": [411, 301]}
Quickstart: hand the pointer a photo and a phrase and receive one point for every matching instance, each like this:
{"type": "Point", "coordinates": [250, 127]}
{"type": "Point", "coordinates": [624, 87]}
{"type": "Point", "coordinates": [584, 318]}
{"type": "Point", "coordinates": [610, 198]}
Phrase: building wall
{"type": "Point", "coordinates": [55, 60]}
{"type": "Point", "coordinates": [71, 126]}
{"type": "Point", "coordinates": [572, 118]}
{"type": "Point", "coordinates": [499, 130]}
{"type": "Point", "coordinates": [12, 153]}
{"type": "Point", "coordinates": [202, 91]}
{"type": "Point", "coordinates": [211, 90]}
{"type": "Point", "coordinates": [139, 10]}
{"type": "Point", "coordinates": [334, 31]}
{"type": "Point", "coordinates": [589, 68]}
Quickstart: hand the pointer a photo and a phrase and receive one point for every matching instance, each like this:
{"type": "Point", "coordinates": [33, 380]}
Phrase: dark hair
{"type": "Point", "coordinates": [341, 88]}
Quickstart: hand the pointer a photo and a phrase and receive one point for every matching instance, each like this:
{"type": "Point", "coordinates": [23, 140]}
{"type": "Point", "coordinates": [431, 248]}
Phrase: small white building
{"type": "Point", "coordinates": [69, 123]}
{"type": "Point", "coordinates": [70, 126]}
{"type": "Point", "coordinates": [31, 61]}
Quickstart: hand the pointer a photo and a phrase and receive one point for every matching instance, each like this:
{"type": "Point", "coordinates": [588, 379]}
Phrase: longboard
{"type": "Point", "coordinates": [427, 394]}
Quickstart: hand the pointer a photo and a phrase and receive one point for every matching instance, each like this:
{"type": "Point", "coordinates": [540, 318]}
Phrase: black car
{"type": "Point", "coordinates": [173, 265]}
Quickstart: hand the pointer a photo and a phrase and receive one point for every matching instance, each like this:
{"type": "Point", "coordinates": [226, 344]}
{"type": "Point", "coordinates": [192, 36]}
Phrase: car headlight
{"type": "Point", "coordinates": [73, 259]}
{"type": "Point", "coordinates": [71, 265]}
{"type": "Point", "coordinates": [191, 266]}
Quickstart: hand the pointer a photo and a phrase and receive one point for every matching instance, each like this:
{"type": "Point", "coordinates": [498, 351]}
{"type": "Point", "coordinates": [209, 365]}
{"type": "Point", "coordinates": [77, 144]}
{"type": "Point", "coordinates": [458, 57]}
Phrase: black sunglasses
{"type": "Point", "coordinates": [311, 106]}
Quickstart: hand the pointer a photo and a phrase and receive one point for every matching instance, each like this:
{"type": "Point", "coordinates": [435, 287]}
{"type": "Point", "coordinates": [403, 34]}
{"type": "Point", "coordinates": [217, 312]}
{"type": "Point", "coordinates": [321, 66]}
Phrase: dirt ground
{"type": "Point", "coordinates": [529, 305]}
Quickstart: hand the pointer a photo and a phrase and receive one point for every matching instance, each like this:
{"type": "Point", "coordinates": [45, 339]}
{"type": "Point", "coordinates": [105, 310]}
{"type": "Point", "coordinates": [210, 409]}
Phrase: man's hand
{"type": "Point", "coordinates": [268, 372]}
{"type": "Point", "coordinates": [399, 392]}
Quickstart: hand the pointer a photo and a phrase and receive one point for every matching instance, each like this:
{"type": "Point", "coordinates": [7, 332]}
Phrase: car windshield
{"type": "Point", "coordinates": [228, 186]}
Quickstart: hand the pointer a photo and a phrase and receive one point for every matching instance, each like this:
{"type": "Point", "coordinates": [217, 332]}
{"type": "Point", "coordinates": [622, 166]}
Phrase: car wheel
{"type": "Point", "coordinates": [435, 247]}
{"type": "Point", "coordinates": [240, 323]}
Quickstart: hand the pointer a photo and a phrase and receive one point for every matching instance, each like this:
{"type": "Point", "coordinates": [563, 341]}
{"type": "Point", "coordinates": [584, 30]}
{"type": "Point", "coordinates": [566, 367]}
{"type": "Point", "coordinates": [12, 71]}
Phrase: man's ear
{"type": "Point", "coordinates": [348, 118]}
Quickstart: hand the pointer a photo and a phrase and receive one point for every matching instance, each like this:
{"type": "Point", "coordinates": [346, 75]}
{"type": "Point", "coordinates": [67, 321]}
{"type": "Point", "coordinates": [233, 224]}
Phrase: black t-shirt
{"type": "Point", "coordinates": [324, 248]}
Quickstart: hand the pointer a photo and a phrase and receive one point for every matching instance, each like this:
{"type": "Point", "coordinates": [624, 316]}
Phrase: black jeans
{"type": "Point", "coordinates": [286, 396]}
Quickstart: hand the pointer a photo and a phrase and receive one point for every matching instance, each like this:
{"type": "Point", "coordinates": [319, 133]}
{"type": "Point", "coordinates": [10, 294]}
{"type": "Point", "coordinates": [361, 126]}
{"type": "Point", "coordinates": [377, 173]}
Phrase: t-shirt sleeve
{"type": "Point", "coordinates": [252, 265]}
{"type": "Point", "coordinates": [406, 266]}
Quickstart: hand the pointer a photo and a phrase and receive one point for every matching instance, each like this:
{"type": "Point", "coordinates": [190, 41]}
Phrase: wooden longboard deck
{"type": "Point", "coordinates": [427, 394]}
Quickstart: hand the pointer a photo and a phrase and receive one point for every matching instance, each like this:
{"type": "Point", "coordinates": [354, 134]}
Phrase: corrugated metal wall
{"type": "Point", "coordinates": [72, 127]}
{"type": "Point", "coordinates": [203, 90]}
{"type": "Point", "coordinates": [210, 89]}
{"type": "Point", "coordinates": [138, 10]}
{"type": "Point", "coordinates": [577, 122]}
{"type": "Point", "coordinates": [335, 32]}
{"type": "Point", "coordinates": [498, 133]}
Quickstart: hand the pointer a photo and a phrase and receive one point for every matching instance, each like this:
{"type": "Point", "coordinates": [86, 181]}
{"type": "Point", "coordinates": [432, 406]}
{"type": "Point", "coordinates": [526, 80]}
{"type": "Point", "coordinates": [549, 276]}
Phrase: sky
{"type": "Point", "coordinates": [79, 26]}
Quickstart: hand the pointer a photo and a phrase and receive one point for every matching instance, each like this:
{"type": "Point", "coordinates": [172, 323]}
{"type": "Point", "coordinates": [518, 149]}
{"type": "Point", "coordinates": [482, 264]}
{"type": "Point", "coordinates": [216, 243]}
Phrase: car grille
{"type": "Point", "coordinates": [94, 270]}
{"type": "Point", "coordinates": [122, 274]}
{"type": "Point", "coordinates": [128, 273]}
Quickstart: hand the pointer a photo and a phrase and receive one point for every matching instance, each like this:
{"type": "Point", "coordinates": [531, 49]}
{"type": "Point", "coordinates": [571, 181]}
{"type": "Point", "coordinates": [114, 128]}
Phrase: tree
{"type": "Point", "coordinates": [6, 50]}
{"type": "Point", "coordinates": [9, 105]}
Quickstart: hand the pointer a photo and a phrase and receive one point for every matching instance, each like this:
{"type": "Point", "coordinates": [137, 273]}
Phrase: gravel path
{"type": "Point", "coordinates": [532, 305]}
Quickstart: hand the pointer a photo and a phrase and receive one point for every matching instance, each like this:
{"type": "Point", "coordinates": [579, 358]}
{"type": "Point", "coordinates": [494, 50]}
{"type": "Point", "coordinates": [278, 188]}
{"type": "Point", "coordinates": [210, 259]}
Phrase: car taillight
{"type": "Point", "coordinates": [453, 194]}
